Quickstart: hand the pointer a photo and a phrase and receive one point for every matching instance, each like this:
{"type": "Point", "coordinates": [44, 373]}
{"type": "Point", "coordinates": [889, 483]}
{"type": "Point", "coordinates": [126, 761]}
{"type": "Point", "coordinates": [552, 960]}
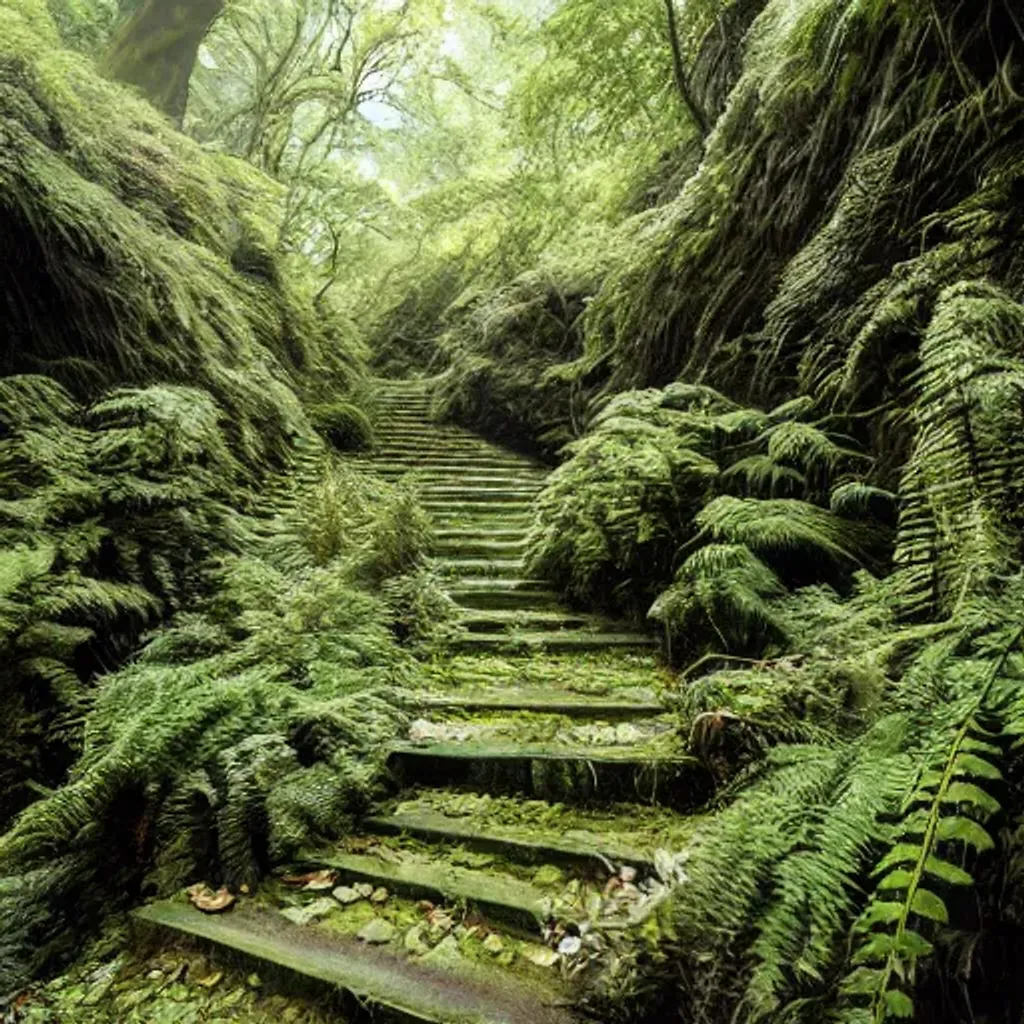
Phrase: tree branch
{"type": "Point", "coordinates": [682, 84]}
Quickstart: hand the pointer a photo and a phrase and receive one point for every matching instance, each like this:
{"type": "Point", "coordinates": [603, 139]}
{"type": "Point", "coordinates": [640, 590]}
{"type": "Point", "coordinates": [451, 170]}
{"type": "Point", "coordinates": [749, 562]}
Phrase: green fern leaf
{"type": "Point", "coordinates": [966, 831]}
{"type": "Point", "coordinates": [946, 872]}
{"type": "Point", "coordinates": [927, 904]}
{"type": "Point", "coordinates": [976, 767]}
{"type": "Point", "coordinates": [899, 1004]}
{"type": "Point", "coordinates": [971, 795]}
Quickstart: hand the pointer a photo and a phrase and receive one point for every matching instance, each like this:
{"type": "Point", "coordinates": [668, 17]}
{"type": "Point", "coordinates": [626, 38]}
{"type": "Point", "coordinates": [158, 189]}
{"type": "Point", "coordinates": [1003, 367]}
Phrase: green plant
{"type": "Point", "coordinates": [344, 425]}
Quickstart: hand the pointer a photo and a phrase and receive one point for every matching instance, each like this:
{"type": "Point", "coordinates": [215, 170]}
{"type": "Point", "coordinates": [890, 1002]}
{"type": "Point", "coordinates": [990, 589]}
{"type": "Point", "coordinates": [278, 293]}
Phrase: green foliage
{"type": "Point", "coordinates": [945, 817]}
{"type": "Point", "coordinates": [723, 590]}
{"type": "Point", "coordinates": [143, 258]}
{"type": "Point", "coordinates": [109, 514]}
{"type": "Point", "coordinates": [637, 507]}
{"type": "Point", "coordinates": [247, 726]}
{"type": "Point", "coordinates": [344, 425]}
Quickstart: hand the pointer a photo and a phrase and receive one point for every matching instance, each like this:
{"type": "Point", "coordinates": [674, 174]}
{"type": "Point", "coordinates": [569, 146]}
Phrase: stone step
{"type": "Point", "coordinates": [564, 774]}
{"type": "Point", "coordinates": [553, 643]}
{"type": "Point", "coordinates": [487, 490]}
{"type": "Point", "coordinates": [447, 471]}
{"type": "Point", "coordinates": [484, 548]}
{"type": "Point", "coordinates": [454, 460]}
{"type": "Point", "coordinates": [375, 979]}
{"type": "Point", "coordinates": [510, 568]}
{"type": "Point", "coordinates": [478, 503]}
{"type": "Point", "coordinates": [504, 899]}
{"type": "Point", "coordinates": [469, 477]}
{"type": "Point", "coordinates": [441, 446]}
{"type": "Point", "coordinates": [534, 700]}
{"type": "Point", "coordinates": [595, 853]}
{"type": "Point", "coordinates": [497, 534]}
{"type": "Point", "coordinates": [487, 599]}
{"type": "Point", "coordinates": [534, 621]}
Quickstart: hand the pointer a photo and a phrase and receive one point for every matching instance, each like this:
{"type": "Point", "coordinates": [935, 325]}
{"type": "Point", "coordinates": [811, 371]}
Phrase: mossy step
{"type": "Point", "coordinates": [483, 515]}
{"type": "Point", "coordinates": [488, 533]}
{"type": "Point", "coordinates": [471, 478]}
{"type": "Point", "coordinates": [534, 620]}
{"type": "Point", "coordinates": [464, 446]}
{"type": "Point", "coordinates": [379, 980]}
{"type": "Point", "coordinates": [495, 598]}
{"type": "Point", "coordinates": [487, 491]}
{"type": "Point", "coordinates": [455, 498]}
{"type": "Point", "coordinates": [594, 853]}
{"type": "Point", "coordinates": [554, 642]}
{"type": "Point", "coordinates": [466, 547]}
{"type": "Point", "coordinates": [448, 460]}
{"type": "Point", "coordinates": [510, 473]}
{"type": "Point", "coordinates": [569, 775]}
{"type": "Point", "coordinates": [552, 702]}
{"type": "Point", "coordinates": [509, 568]}
{"type": "Point", "coordinates": [510, 901]}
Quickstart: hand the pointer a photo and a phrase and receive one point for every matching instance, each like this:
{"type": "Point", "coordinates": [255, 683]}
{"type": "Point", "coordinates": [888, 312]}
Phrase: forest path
{"type": "Point", "coordinates": [535, 788]}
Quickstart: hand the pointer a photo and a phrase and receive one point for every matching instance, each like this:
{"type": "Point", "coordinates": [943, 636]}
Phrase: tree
{"type": "Point", "coordinates": [156, 47]}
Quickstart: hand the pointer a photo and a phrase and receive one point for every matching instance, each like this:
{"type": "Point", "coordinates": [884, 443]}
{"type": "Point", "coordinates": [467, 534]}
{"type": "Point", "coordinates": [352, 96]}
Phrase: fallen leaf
{"type": "Point", "coordinates": [205, 899]}
{"type": "Point", "coordinates": [211, 979]}
{"type": "Point", "coordinates": [315, 881]}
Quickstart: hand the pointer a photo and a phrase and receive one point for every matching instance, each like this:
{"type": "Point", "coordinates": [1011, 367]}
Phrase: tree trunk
{"type": "Point", "coordinates": [156, 48]}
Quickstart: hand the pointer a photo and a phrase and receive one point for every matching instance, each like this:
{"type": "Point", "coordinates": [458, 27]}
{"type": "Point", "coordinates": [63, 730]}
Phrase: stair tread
{"type": "Point", "coordinates": [552, 701]}
{"type": "Point", "coordinates": [423, 876]}
{"type": "Point", "coordinates": [537, 847]}
{"type": "Point", "coordinates": [415, 990]}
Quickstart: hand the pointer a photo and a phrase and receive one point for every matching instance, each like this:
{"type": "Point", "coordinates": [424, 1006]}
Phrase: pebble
{"type": "Point", "coordinates": [346, 895]}
{"type": "Point", "coordinates": [379, 895]}
{"type": "Point", "coordinates": [494, 943]}
{"type": "Point", "coordinates": [364, 889]}
{"type": "Point", "coordinates": [377, 932]}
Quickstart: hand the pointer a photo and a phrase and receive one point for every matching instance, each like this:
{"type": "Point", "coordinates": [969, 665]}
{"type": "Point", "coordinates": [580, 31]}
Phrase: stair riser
{"type": "Point", "coordinates": [479, 549]}
{"type": "Point", "coordinates": [404, 462]}
{"type": "Point", "coordinates": [479, 493]}
{"type": "Point", "coordinates": [496, 600]}
{"type": "Point", "coordinates": [476, 503]}
{"type": "Point", "coordinates": [571, 780]}
{"type": "Point", "coordinates": [518, 919]}
{"type": "Point", "coordinates": [478, 623]}
{"type": "Point", "coordinates": [567, 643]}
{"type": "Point", "coordinates": [463, 477]}
{"type": "Point", "coordinates": [469, 567]}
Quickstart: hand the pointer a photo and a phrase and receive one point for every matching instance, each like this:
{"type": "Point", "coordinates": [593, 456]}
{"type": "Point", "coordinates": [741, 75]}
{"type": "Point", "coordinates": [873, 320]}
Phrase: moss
{"type": "Point", "coordinates": [344, 425]}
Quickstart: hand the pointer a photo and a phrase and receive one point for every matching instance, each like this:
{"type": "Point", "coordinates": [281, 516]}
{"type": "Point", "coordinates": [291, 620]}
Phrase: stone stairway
{"type": "Point", "coordinates": [536, 785]}
{"type": "Point", "coordinates": [480, 497]}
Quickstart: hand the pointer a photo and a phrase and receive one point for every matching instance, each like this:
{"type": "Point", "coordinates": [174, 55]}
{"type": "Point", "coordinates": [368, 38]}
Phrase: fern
{"type": "Point", "coordinates": [959, 487]}
{"type": "Point", "coordinates": [724, 590]}
{"type": "Point", "coordinates": [947, 812]}
{"type": "Point", "coordinates": [797, 537]}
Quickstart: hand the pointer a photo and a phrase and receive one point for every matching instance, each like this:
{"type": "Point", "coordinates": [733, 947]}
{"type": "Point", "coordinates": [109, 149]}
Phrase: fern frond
{"type": "Point", "coordinates": [792, 536]}
{"type": "Point", "coordinates": [725, 591]}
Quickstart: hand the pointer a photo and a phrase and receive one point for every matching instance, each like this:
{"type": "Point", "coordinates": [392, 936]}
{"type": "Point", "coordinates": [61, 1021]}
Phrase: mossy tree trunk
{"type": "Point", "coordinates": [156, 48]}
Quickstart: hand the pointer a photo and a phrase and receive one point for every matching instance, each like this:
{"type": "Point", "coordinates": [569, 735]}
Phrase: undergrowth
{"type": "Point", "coordinates": [249, 724]}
